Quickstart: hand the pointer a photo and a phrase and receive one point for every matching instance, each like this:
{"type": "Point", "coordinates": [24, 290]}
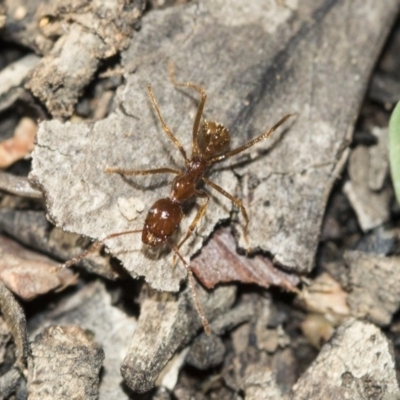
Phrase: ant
{"type": "Point", "coordinates": [210, 145]}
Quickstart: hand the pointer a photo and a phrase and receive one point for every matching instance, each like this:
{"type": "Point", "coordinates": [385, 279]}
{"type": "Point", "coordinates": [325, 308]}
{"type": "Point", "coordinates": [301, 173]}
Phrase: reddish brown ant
{"type": "Point", "coordinates": [210, 144]}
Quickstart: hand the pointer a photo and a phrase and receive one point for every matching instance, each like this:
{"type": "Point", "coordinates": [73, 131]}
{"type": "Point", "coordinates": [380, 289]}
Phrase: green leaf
{"type": "Point", "coordinates": [394, 149]}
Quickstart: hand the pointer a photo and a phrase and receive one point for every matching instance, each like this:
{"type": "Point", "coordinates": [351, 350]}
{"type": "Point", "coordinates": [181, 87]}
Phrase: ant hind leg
{"type": "Point", "coordinates": [191, 282]}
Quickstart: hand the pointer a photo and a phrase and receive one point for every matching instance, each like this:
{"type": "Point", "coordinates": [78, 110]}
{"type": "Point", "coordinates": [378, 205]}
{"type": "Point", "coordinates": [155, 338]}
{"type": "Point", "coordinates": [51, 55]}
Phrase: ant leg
{"type": "Point", "coordinates": [202, 92]}
{"type": "Point", "coordinates": [94, 246]}
{"type": "Point", "coordinates": [197, 218]}
{"type": "Point", "coordinates": [123, 171]}
{"type": "Point", "coordinates": [251, 143]}
{"type": "Point", "coordinates": [171, 136]}
{"type": "Point", "coordinates": [197, 304]}
{"type": "Point", "coordinates": [237, 202]}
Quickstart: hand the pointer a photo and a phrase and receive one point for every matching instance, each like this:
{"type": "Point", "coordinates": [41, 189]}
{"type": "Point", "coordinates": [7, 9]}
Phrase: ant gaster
{"type": "Point", "coordinates": [210, 144]}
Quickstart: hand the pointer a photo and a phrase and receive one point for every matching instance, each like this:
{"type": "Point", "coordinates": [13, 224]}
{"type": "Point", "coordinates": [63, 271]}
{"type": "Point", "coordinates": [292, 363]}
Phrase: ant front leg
{"type": "Point", "coordinates": [200, 108]}
{"type": "Point", "coordinates": [237, 202]}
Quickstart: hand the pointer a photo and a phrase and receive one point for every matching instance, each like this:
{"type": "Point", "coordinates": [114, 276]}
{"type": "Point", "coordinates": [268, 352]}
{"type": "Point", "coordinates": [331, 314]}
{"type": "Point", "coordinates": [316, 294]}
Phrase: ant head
{"type": "Point", "coordinates": [213, 139]}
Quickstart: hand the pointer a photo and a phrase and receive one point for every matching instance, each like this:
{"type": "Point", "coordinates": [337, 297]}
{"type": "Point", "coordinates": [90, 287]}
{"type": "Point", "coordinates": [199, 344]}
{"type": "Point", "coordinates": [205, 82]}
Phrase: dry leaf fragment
{"type": "Point", "coordinates": [20, 144]}
{"type": "Point", "coordinates": [219, 262]}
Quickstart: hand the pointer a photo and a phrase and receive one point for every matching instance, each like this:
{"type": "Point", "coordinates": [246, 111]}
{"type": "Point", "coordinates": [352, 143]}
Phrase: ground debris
{"type": "Point", "coordinates": [370, 206]}
{"type": "Point", "coordinates": [20, 145]}
{"type": "Point", "coordinates": [167, 323]}
{"type": "Point", "coordinates": [219, 262]}
{"type": "Point", "coordinates": [92, 309]}
{"type": "Point", "coordinates": [373, 279]}
{"type": "Point", "coordinates": [33, 229]}
{"type": "Point", "coordinates": [356, 364]}
{"type": "Point", "coordinates": [29, 274]}
{"type": "Point", "coordinates": [12, 78]}
{"type": "Point", "coordinates": [74, 370]}
{"type": "Point", "coordinates": [86, 31]}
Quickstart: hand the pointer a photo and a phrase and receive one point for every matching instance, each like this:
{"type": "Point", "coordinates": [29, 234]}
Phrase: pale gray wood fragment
{"type": "Point", "coordinates": [356, 364]}
{"type": "Point", "coordinates": [92, 308]}
{"type": "Point", "coordinates": [168, 323]}
{"type": "Point", "coordinates": [373, 280]}
{"type": "Point", "coordinates": [12, 78]}
{"type": "Point", "coordinates": [16, 321]}
{"type": "Point", "coordinates": [371, 207]}
{"type": "Point", "coordinates": [64, 363]}
{"type": "Point", "coordinates": [257, 63]}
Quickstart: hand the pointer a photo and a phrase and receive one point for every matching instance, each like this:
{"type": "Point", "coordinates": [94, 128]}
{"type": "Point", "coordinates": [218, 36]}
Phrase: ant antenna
{"type": "Point", "coordinates": [95, 246]}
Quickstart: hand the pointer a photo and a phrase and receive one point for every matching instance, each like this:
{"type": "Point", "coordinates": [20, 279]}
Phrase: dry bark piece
{"type": "Point", "coordinates": [372, 208]}
{"type": "Point", "coordinates": [256, 88]}
{"type": "Point", "coordinates": [375, 293]}
{"type": "Point", "coordinates": [28, 274]}
{"type": "Point", "coordinates": [381, 241]}
{"type": "Point", "coordinates": [378, 159]}
{"type": "Point", "coordinates": [92, 308]}
{"type": "Point", "coordinates": [356, 364]}
{"type": "Point", "coordinates": [32, 229]}
{"type": "Point", "coordinates": [12, 78]}
{"type": "Point", "coordinates": [167, 323]}
{"type": "Point", "coordinates": [5, 336]}
{"type": "Point", "coordinates": [64, 363]}
{"type": "Point", "coordinates": [9, 382]}
{"type": "Point", "coordinates": [206, 352]}
{"type": "Point", "coordinates": [15, 318]}
{"type": "Point", "coordinates": [325, 296]}
{"type": "Point", "coordinates": [219, 262]}
{"type": "Point", "coordinates": [89, 31]}
{"type": "Point", "coordinates": [384, 89]}
{"type": "Point", "coordinates": [170, 373]}
{"type": "Point", "coordinates": [18, 185]}
{"type": "Point", "coordinates": [20, 144]}
{"type": "Point", "coordinates": [260, 384]}
{"type": "Point", "coordinates": [25, 31]}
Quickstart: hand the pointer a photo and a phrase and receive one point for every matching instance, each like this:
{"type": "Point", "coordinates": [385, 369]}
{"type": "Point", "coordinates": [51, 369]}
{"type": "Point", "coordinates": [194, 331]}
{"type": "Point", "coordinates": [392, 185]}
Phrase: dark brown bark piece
{"type": "Point", "coordinates": [64, 363]}
{"type": "Point", "coordinates": [257, 64]}
{"type": "Point", "coordinates": [219, 262]}
{"type": "Point", "coordinates": [356, 364]}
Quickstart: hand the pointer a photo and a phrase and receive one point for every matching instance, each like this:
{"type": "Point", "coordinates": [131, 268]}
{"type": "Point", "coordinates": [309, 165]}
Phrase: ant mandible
{"type": "Point", "coordinates": [210, 144]}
